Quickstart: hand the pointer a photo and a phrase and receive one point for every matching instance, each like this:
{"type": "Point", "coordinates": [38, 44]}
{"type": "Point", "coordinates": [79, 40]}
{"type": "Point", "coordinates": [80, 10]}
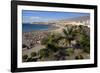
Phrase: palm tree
{"type": "Point", "coordinates": [69, 33]}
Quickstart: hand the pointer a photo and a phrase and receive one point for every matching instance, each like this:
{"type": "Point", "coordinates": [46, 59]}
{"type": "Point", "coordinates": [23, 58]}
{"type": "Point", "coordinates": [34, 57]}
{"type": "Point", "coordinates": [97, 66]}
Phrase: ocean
{"type": "Point", "coordinates": [31, 27]}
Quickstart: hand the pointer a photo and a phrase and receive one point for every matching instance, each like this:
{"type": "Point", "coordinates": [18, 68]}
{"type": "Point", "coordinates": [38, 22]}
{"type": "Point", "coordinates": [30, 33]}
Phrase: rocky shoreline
{"type": "Point", "coordinates": [33, 38]}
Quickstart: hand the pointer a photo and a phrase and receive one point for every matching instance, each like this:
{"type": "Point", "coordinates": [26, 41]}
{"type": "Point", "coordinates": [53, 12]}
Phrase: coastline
{"type": "Point", "coordinates": [52, 27]}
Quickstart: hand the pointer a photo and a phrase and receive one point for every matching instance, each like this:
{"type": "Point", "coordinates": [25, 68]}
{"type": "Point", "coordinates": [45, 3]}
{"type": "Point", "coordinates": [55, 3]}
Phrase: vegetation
{"type": "Point", "coordinates": [79, 57]}
{"type": "Point", "coordinates": [69, 51]}
{"type": "Point", "coordinates": [69, 34]}
{"type": "Point", "coordinates": [33, 54]}
{"type": "Point", "coordinates": [43, 53]}
{"type": "Point", "coordinates": [58, 47]}
{"type": "Point", "coordinates": [25, 57]}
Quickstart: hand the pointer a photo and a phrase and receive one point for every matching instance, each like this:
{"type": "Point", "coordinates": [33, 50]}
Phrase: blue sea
{"type": "Point", "coordinates": [31, 27]}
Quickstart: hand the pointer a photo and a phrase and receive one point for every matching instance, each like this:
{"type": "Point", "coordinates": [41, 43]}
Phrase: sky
{"type": "Point", "coordinates": [29, 16]}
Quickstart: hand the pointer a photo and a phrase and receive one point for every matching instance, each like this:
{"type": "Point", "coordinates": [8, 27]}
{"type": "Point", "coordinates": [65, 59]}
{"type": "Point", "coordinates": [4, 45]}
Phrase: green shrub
{"type": "Point", "coordinates": [52, 47]}
{"type": "Point", "coordinates": [44, 41]}
{"type": "Point", "coordinates": [32, 59]}
{"type": "Point", "coordinates": [33, 54]}
{"type": "Point", "coordinates": [25, 57]}
{"type": "Point", "coordinates": [29, 59]}
{"type": "Point", "coordinates": [43, 53]}
{"type": "Point", "coordinates": [84, 42]}
{"type": "Point", "coordinates": [79, 57]}
{"type": "Point", "coordinates": [87, 50]}
{"type": "Point", "coordinates": [70, 51]}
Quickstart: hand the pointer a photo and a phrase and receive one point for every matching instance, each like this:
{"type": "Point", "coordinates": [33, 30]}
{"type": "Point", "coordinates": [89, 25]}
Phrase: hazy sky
{"type": "Point", "coordinates": [40, 16]}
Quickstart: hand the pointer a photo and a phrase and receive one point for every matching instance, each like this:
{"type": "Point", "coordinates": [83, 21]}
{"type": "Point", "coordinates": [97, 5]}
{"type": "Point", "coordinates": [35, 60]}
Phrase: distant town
{"type": "Point", "coordinates": [82, 20]}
